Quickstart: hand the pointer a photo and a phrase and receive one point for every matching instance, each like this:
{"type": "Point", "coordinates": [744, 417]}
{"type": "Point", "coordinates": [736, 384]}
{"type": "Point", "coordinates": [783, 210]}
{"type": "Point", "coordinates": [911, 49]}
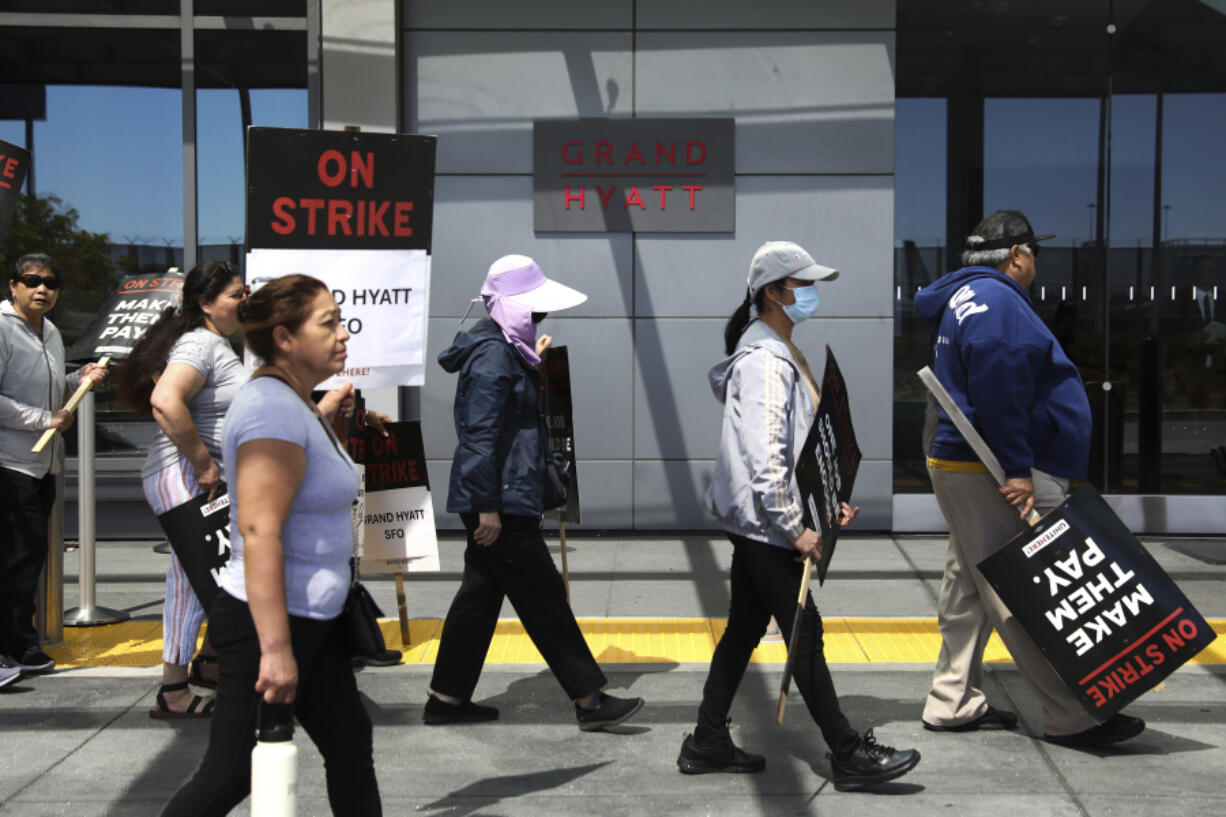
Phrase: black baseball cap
{"type": "Point", "coordinates": [1002, 230]}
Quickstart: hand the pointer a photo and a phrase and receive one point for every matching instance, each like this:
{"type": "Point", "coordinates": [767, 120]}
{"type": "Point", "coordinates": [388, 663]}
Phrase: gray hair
{"type": "Point", "coordinates": [986, 258]}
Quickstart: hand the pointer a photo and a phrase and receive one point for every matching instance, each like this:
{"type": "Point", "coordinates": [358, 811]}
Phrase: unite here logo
{"type": "Point", "coordinates": [1046, 538]}
{"type": "Point", "coordinates": [963, 306]}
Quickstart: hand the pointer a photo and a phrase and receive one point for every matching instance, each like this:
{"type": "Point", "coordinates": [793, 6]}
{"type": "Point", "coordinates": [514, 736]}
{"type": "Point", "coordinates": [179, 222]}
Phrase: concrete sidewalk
{"type": "Point", "coordinates": [80, 742]}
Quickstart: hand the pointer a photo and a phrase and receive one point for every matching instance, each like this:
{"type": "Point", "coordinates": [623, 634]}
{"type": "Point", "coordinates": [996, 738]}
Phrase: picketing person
{"type": "Point", "coordinates": [770, 398]}
{"type": "Point", "coordinates": [33, 390]}
{"type": "Point", "coordinates": [274, 620]}
{"type": "Point", "coordinates": [1010, 376]}
{"type": "Point", "coordinates": [497, 488]}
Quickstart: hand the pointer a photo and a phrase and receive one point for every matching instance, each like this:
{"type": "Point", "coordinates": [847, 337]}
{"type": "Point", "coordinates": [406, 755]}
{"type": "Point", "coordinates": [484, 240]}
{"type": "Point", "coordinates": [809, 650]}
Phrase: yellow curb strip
{"type": "Point", "coordinates": [612, 641]}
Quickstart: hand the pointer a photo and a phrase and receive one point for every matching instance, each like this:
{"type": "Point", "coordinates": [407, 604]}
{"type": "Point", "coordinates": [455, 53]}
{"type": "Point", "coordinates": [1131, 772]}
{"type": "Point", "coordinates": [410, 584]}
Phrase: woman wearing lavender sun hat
{"type": "Point", "coordinates": [497, 489]}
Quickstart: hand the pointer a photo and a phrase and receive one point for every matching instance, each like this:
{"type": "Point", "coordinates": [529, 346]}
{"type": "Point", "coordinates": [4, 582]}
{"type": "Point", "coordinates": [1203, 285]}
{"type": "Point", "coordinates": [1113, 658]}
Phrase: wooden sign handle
{"type": "Point", "coordinates": [70, 406]}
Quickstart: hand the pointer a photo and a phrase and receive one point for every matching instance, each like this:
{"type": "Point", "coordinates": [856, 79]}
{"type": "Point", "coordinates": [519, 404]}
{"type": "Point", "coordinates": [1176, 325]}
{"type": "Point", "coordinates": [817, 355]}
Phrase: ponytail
{"type": "Point", "coordinates": [741, 318]}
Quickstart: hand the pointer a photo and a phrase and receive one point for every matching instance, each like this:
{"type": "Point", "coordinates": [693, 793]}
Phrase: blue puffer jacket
{"type": "Point", "coordinates": [1008, 374]}
{"type": "Point", "coordinates": [500, 459]}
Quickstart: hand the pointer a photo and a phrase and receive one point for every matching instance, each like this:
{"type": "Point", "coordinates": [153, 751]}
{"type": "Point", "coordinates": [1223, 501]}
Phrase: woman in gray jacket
{"type": "Point", "coordinates": [32, 390]}
{"type": "Point", "coordinates": [770, 399]}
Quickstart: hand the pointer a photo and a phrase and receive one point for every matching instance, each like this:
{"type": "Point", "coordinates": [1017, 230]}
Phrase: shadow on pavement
{"type": "Point", "coordinates": [485, 793]}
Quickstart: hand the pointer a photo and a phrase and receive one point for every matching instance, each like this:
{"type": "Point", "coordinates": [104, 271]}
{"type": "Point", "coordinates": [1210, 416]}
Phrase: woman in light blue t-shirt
{"type": "Point", "coordinates": [291, 487]}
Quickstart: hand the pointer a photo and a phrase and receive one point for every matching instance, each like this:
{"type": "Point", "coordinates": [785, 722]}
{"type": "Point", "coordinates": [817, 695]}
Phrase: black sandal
{"type": "Point", "coordinates": [195, 675]}
{"type": "Point", "coordinates": [197, 709]}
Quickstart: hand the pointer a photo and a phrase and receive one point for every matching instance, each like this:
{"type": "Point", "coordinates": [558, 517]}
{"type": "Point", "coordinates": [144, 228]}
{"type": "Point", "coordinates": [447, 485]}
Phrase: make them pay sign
{"type": "Point", "coordinates": [140, 305]}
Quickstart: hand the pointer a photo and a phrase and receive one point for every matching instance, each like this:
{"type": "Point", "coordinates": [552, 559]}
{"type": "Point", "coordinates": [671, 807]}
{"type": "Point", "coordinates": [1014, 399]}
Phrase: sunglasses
{"type": "Point", "coordinates": [34, 281]}
{"type": "Point", "coordinates": [1033, 246]}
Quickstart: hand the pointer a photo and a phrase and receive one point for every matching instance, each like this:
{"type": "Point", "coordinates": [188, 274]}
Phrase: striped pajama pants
{"type": "Point", "coordinates": [182, 613]}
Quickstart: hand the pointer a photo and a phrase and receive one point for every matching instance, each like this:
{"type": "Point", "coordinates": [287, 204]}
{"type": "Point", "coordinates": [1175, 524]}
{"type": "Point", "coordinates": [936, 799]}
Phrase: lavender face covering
{"type": "Point", "coordinates": [514, 319]}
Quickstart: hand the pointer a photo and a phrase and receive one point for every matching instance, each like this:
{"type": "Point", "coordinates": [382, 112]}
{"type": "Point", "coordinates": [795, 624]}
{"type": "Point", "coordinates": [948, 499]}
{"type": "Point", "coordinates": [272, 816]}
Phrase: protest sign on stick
{"type": "Point", "coordinates": [14, 164]}
{"type": "Point", "coordinates": [199, 533]}
{"type": "Point", "coordinates": [828, 462]}
{"type": "Point", "coordinates": [353, 210]}
{"type": "Point", "coordinates": [1105, 615]}
{"type": "Point", "coordinates": [398, 520]}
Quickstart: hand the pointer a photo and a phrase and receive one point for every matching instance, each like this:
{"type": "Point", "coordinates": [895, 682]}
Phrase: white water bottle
{"type": "Point", "coordinates": [274, 763]}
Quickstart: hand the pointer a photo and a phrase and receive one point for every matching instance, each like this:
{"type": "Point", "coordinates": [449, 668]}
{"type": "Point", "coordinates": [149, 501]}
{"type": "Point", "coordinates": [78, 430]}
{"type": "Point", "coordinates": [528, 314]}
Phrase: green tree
{"type": "Point", "coordinates": [45, 224]}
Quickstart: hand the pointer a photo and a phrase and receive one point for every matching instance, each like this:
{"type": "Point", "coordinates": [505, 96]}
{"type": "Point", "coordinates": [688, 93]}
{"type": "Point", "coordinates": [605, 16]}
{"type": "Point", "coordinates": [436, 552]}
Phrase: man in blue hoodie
{"type": "Point", "coordinates": [1006, 371]}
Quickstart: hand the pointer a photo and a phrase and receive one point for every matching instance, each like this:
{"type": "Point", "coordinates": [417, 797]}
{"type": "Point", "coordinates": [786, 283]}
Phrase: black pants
{"type": "Point", "coordinates": [765, 582]}
{"type": "Point", "coordinates": [326, 705]}
{"type": "Point", "coordinates": [516, 566]}
{"type": "Point", "coordinates": [25, 507]}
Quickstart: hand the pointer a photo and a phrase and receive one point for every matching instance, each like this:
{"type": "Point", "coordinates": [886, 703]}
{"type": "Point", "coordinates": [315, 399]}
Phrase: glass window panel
{"type": "Point", "coordinates": [919, 258]}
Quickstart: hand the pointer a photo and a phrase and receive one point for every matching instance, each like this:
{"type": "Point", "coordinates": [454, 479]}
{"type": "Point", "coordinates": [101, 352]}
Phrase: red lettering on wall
{"type": "Point", "coordinates": [633, 198]}
{"type": "Point", "coordinates": [662, 188]}
{"type": "Point", "coordinates": [635, 153]}
{"type": "Point", "coordinates": [604, 150]}
{"type": "Point", "coordinates": [604, 197]}
{"type": "Point", "coordinates": [670, 154]}
{"type": "Point", "coordinates": [693, 188]}
{"type": "Point", "coordinates": [572, 197]}
{"type": "Point", "coordinates": [693, 149]}
{"type": "Point", "coordinates": [577, 158]}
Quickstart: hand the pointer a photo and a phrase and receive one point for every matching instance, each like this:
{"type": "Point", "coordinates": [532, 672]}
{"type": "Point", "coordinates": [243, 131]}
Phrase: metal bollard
{"type": "Point", "coordinates": [86, 613]}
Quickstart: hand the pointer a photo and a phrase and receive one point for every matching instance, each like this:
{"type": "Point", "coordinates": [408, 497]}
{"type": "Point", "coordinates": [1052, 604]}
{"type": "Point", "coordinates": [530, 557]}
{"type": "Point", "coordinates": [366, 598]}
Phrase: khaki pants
{"type": "Point", "coordinates": [980, 521]}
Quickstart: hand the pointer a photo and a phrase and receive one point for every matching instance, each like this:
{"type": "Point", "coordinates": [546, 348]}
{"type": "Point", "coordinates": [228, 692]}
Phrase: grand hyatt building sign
{"type": "Point", "coordinates": [640, 175]}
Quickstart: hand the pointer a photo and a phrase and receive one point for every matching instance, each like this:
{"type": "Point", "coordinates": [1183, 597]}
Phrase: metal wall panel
{"type": "Point", "coordinates": [846, 222]}
{"type": "Point", "coordinates": [588, 15]}
{"type": "Point", "coordinates": [479, 91]}
{"type": "Point", "coordinates": [678, 417]}
{"type": "Point", "coordinates": [785, 14]}
{"type": "Point", "coordinates": [477, 219]}
{"type": "Point", "coordinates": [805, 102]}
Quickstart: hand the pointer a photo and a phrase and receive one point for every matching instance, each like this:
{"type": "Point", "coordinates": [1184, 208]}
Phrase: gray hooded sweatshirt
{"type": "Point", "coordinates": [767, 415]}
{"type": "Point", "coordinates": [32, 385]}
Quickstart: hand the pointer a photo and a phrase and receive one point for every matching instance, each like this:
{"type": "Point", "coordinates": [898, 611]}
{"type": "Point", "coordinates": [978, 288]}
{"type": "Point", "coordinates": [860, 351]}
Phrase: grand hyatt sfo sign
{"type": "Point", "coordinates": [640, 175]}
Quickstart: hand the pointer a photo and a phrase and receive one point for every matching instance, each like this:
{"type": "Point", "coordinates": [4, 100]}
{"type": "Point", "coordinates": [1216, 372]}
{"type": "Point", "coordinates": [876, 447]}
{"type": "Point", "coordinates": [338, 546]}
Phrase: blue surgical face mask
{"type": "Point", "coordinates": [806, 304]}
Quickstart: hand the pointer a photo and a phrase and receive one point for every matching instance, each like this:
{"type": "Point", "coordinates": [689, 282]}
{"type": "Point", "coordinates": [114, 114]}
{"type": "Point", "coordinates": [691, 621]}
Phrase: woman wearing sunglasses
{"type": "Point", "coordinates": [33, 387]}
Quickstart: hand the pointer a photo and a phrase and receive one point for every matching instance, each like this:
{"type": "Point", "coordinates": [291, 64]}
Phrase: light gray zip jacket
{"type": "Point", "coordinates": [767, 415]}
{"type": "Point", "coordinates": [32, 385]}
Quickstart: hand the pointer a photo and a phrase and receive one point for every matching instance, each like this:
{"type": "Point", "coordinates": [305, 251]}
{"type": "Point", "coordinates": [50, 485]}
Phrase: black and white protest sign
{"type": "Point", "coordinates": [1107, 617]}
{"type": "Point", "coordinates": [398, 533]}
{"type": "Point", "coordinates": [14, 164]}
{"type": "Point", "coordinates": [199, 533]}
{"type": "Point", "coordinates": [557, 409]}
{"type": "Point", "coordinates": [828, 462]}
{"type": "Point", "coordinates": [354, 210]}
{"type": "Point", "coordinates": [127, 316]}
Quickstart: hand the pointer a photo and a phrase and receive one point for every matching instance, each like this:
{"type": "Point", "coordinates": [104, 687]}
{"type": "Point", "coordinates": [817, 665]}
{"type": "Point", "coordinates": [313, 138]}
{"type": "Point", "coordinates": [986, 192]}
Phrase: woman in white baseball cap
{"type": "Point", "coordinates": [497, 488]}
{"type": "Point", "coordinates": [770, 400]}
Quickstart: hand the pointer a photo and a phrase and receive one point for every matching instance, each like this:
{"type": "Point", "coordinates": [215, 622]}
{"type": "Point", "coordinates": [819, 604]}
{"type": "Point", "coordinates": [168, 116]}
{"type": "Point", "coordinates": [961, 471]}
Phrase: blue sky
{"type": "Point", "coordinates": [114, 154]}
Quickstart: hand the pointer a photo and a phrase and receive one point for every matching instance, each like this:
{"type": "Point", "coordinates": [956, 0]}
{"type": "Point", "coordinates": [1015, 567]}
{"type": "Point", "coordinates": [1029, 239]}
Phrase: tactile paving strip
{"type": "Point", "coordinates": [612, 641]}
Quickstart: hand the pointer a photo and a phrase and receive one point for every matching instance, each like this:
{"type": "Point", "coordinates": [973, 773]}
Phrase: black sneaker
{"type": "Point", "coordinates": [992, 718]}
{"type": "Point", "coordinates": [870, 763]}
{"type": "Point", "coordinates": [35, 660]}
{"type": "Point", "coordinates": [611, 712]}
{"type": "Point", "coordinates": [720, 755]}
{"type": "Point", "coordinates": [439, 712]}
{"type": "Point", "coordinates": [1113, 730]}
